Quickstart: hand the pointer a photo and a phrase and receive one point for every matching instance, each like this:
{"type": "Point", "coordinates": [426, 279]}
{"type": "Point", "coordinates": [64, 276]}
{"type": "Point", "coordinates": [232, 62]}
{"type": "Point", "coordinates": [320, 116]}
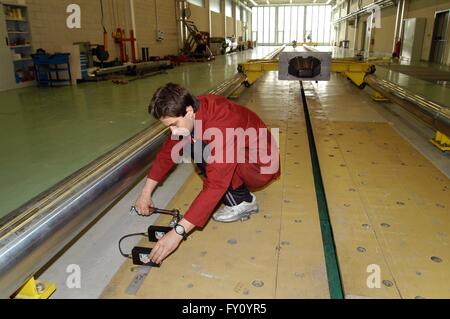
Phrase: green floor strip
{"type": "Point", "coordinates": [333, 272]}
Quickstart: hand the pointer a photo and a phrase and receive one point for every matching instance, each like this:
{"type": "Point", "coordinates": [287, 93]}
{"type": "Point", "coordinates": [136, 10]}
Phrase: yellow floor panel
{"type": "Point", "coordinates": [276, 254]}
{"type": "Point", "coordinates": [388, 205]}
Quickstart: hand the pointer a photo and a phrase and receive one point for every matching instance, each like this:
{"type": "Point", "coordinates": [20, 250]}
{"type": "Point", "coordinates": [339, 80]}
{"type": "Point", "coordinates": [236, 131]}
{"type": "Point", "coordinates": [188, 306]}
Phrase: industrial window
{"type": "Point", "coordinates": [267, 25]}
{"type": "Point", "coordinates": [280, 29]}
{"type": "Point", "coordinates": [328, 25]}
{"type": "Point", "coordinates": [254, 24]}
{"type": "Point", "coordinates": [214, 5]}
{"type": "Point", "coordinates": [284, 24]}
{"type": "Point", "coordinates": [238, 12]}
{"type": "Point", "coordinates": [287, 24]}
{"type": "Point", "coordinates": [301, 24]}
{"type": "Point", "coordinates": [200, 3]}
{"type": "Point", "coordinates": [260, 28]}
{"type": "Point", "coordinates": [272, 14]}
{"type": "Point", "coordinates": [228, 8]}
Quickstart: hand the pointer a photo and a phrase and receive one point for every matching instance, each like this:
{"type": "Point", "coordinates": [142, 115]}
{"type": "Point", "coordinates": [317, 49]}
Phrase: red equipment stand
{"type": "Point", "coordinates": [121, 40]}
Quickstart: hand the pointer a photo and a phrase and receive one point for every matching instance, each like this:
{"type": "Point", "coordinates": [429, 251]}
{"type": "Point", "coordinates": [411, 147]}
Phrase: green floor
{"type": "Point", "coordinates": [48, 133]}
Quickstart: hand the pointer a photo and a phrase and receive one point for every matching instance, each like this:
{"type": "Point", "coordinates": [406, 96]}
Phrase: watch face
{"type": "Point", "coordinates": [179, 230]}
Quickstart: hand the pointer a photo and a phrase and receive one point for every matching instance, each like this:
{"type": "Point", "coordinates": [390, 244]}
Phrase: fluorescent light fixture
{"type": "Point", "coordinates": [254, 3]}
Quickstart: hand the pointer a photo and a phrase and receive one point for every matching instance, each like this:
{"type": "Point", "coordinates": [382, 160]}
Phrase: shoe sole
{"type": "Point", "coordinates": [242, 218]}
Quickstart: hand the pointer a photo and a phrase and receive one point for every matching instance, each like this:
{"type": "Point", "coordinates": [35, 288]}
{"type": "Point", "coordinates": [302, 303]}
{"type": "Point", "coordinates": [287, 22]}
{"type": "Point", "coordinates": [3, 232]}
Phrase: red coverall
{"type": "Point", "coordinates": [220, 113]}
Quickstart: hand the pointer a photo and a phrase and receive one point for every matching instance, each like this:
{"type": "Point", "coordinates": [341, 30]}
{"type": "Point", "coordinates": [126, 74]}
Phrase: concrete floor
{"type": "Point", "coordinates": [48, 133]}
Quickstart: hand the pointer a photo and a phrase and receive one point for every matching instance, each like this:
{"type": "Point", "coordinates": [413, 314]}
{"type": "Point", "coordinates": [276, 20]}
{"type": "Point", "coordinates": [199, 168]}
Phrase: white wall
{"type": "Point", "coordinates": [384, 37]}
{"type": "Point", "coordinates": [49, 31]}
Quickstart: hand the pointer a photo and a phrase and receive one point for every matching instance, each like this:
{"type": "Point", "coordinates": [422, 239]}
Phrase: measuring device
{"type": "Point", "coordinates": [175, 213]}
{"type": "Point", "coordinates": [141, 255]}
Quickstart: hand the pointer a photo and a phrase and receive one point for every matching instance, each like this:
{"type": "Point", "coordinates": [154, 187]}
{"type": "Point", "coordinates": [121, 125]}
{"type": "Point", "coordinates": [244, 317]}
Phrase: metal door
{"type": "Point", "coordinates": [440, 37]}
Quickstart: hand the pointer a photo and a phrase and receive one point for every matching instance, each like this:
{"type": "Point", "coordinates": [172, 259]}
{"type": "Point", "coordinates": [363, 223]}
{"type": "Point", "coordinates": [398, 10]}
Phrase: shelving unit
{"type": "Point", "coordinates": [19, 42]}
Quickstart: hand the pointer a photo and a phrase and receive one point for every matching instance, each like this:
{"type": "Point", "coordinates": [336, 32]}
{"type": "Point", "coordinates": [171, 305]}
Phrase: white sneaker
{"type": "Point", "coordinates": [242, 212]}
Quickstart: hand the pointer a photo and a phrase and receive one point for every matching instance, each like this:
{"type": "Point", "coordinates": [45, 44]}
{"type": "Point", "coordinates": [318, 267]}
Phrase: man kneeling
{"type": "Point", "coordinates": [231, 147]}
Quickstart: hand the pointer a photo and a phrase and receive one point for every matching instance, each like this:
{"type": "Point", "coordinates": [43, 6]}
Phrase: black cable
{"type": "Point", "coordinates": [103, 16]}
{"type": "Point", "coordinates": [128, 236]}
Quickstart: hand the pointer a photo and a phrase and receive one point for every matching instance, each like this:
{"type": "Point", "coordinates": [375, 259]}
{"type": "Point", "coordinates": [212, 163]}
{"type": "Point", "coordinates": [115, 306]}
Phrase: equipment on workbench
{"type": "Point", "coordinates": [231, 45]}
{"type": "Point", "coordinates": [141, 255]}
{"type": "Point", "coordinates": [100, 52]}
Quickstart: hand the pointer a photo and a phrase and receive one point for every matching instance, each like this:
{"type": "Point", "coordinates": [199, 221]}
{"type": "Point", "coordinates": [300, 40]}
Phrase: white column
{"type": "Point", "coordinates": [133, 26]}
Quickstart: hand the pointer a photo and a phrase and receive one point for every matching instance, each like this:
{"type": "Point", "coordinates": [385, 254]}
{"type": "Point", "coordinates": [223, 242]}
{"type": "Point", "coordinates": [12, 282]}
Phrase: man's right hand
{"type": "Point", "coordinates": [144, 205]}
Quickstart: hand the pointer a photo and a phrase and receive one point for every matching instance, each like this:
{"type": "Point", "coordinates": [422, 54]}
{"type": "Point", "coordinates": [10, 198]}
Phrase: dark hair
{"type": "Point", "coordinates": [172, 100]}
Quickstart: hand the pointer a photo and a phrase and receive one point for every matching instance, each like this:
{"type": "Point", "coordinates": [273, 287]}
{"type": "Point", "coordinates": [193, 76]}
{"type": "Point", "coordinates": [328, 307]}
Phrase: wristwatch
{"type": "Point", "coordinates": [180, 230]}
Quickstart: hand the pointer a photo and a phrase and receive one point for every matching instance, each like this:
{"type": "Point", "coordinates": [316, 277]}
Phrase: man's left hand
{"type": "Point", "coordinates": [165, 246]}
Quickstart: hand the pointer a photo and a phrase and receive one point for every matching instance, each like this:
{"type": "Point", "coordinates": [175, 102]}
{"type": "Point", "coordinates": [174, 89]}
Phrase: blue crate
{"type": "Point", "coordinates": [48, 64]}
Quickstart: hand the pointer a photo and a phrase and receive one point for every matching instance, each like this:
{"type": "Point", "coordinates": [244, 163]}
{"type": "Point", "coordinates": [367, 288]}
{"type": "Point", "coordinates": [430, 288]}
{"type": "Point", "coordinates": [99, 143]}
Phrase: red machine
{"type": "Point", "coordinates": [119, 38]}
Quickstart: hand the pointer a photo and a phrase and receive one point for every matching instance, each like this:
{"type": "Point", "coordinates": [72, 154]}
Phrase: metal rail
{"type": "Point", "coordinates": [432, 113]}
{"type": "Point", "coordinates": [156, 65]}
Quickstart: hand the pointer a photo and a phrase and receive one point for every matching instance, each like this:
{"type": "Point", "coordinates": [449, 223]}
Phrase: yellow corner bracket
{"type": "Point", "coordinates": [378, 97]}
{"type": "Point", "coordinates": [36, 290]}
{"type": "Point", "coordinates": [353, 70]}
{"type": "Point", "coordinates": [441, 141]}
{"type": "Point", "coordinates": [254, 69]}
